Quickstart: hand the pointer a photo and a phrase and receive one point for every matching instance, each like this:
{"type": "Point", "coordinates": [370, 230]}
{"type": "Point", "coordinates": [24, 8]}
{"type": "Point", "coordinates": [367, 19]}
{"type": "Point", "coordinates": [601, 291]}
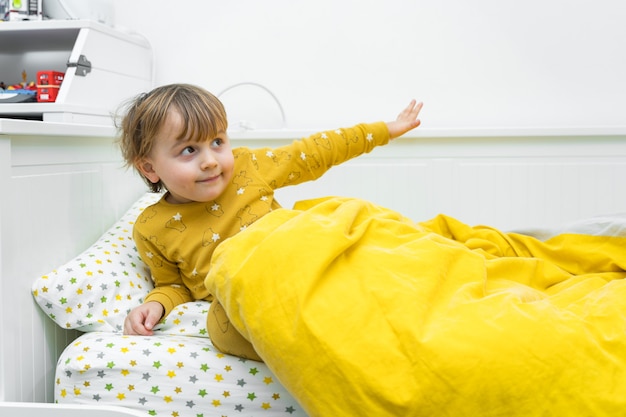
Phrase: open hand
{"type": "Point", "coordinates": [407, 120]}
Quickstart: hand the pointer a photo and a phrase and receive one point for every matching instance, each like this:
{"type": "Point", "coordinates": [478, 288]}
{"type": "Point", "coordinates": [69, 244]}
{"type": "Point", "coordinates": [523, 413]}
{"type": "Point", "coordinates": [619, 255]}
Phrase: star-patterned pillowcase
{"type": "Point", "coordinates": [96, 290]}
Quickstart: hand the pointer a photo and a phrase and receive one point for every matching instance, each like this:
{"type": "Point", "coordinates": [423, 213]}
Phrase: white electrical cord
{"type": "Point", "coordinates": [261, 86]}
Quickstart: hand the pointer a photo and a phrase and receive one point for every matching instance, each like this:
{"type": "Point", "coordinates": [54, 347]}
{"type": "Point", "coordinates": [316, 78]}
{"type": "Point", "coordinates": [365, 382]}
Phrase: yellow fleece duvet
{"type": "Point", "coordinates": [361, 312]}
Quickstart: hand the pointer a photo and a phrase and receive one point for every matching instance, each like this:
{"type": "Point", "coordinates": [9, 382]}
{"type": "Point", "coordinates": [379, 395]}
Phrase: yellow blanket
{"type": "Point", "coordinates": [361, 312]}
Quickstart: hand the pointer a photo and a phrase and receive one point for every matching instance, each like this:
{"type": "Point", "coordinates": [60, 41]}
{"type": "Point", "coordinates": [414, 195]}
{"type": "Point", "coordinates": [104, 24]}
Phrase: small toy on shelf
{"type": "Point", "coordinates": [19, 93]}
{"type": "Point", "coordinates": [48, 84]}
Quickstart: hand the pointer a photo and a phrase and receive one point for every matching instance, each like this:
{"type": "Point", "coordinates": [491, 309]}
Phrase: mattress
{"type": "Point", "coordinates": [176, 372]}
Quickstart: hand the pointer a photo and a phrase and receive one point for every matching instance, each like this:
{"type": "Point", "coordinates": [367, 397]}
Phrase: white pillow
{"type": "Point", "coordinates": [96, 290]}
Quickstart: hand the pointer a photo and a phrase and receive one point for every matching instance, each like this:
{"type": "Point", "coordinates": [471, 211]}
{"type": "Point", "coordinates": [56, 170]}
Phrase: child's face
{"type": "Point", "coordinates": [191, 171]}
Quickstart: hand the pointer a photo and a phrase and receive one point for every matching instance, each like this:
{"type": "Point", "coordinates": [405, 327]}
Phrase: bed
{"type": "Point", "coordinates": [347, 304]}
{"type": "Point", "coordinates": [534, 179]}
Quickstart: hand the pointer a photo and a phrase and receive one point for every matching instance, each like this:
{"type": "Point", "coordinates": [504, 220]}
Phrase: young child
{"type": "Point", "coordinates": [175, 137]}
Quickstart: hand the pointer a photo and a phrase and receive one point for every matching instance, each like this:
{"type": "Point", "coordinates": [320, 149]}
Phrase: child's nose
{"type": "Point", "coordinates": [208, 160]}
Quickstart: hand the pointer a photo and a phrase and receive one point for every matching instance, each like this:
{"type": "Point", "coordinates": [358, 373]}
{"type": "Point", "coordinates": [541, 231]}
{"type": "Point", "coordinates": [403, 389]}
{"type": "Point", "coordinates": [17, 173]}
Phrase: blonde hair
{"type": "Point", "coordinates": [203, 117]}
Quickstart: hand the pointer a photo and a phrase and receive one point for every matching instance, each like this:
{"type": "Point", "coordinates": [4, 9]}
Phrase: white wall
{"type": "Point", "coordinates": [481, 63]}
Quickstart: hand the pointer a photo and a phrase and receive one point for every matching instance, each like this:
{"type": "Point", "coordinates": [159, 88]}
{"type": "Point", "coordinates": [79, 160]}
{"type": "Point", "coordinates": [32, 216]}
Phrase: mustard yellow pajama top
{"type": "Point", "coordinates": [176, 241]}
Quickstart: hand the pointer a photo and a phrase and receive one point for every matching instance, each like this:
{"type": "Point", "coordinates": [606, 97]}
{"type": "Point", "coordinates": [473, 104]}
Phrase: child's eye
{"type": "Point", "coordinates": [217, 142]}
{"type": "Point", "coordinates": [188, 150]}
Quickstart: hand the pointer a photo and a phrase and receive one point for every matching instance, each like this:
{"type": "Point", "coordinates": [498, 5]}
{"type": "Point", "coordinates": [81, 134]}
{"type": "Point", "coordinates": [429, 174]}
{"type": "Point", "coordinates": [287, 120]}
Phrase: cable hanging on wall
{"type": "Point", "coordinates": [245, 124]}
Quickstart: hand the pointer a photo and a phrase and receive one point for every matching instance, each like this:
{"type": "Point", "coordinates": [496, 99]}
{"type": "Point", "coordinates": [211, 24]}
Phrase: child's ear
{"type": "Point", "coordinates": [145, 167]}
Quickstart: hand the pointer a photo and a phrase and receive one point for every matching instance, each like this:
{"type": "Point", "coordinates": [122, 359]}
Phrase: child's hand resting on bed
{"type": "Point", "coordinates": [407, 120]}
{"type": "Point", "coordinates": [142, 319]}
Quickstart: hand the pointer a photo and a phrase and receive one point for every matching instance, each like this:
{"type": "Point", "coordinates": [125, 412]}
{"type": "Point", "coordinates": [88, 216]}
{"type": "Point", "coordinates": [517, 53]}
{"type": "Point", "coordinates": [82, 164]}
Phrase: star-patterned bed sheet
{"type": "Point", "coordinates": [176, 372]}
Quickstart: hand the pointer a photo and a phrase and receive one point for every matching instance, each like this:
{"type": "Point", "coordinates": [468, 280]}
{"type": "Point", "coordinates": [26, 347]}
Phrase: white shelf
{"type": "Point", "coordinates": [103, 67]}
{"type": "Point", "coordinates": [56, 33]}
{"type": "Point", "coordinates": [17, 127]}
